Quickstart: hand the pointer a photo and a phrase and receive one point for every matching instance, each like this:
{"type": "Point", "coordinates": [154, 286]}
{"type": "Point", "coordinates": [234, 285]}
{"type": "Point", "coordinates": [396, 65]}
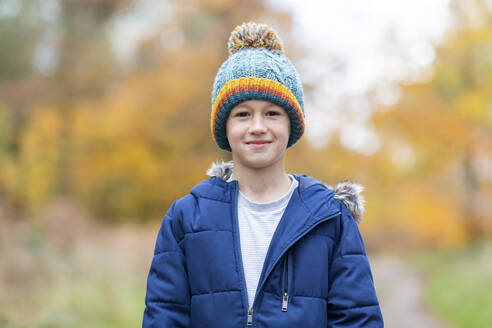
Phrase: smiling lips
{"type": "Point", "coordinates": [258, 143]}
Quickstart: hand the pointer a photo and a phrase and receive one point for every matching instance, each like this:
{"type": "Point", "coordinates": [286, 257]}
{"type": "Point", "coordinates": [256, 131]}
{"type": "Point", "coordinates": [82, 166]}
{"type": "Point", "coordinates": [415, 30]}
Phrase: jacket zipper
{"type": "Point", "coordinates": [285, 289]}
{"type": "Point", "coordinates": [235, 221]}
{"type": "Point", "coordinates": [250, 316]}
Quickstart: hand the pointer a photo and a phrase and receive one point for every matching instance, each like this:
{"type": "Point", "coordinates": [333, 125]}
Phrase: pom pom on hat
{"type": "Point", "coordinates": [252, 35]}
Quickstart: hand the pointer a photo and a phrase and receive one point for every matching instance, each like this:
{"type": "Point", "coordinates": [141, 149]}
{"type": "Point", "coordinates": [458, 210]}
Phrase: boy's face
{"type": "Point", "coordinates": [258, 132]}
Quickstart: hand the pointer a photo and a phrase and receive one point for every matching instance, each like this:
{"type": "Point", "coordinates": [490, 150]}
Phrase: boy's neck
{"type": "Point", "coordinates": [262, 185]}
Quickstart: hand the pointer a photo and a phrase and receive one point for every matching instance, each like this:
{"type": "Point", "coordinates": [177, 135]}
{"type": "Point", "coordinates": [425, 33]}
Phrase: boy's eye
{"type": "Point", "coordinates": [273, 113]}
{"type": "Point", "coordinates": [242, 114]}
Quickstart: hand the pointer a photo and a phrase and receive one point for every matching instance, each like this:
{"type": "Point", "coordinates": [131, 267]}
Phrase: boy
{"type": "Point", "coordinates": [253, 246]}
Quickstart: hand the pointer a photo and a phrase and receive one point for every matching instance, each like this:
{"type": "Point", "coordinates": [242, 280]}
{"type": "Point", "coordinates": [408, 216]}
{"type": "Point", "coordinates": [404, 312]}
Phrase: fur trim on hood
{"type": "Point", "coordinates": [347, 191]}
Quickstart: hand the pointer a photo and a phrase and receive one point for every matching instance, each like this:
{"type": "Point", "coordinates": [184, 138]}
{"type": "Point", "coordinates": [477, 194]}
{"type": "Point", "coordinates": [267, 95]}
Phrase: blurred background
{"type": "Point", "coordinates": [104, 122]}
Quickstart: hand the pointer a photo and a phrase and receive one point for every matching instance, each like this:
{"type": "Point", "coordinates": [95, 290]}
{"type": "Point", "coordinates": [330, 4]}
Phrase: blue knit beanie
{"type": "Point", "coordinates": [257, 68]}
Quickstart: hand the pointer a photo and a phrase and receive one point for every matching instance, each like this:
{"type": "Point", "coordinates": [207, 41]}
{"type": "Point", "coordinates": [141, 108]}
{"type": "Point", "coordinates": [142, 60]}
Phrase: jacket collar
{"type": "Point", "coordinates": [346, 191]}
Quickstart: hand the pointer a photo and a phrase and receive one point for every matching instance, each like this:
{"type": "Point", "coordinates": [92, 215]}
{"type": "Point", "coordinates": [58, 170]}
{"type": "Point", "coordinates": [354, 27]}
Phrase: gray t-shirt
{"type": "Point", "coordinates": [257, 223]}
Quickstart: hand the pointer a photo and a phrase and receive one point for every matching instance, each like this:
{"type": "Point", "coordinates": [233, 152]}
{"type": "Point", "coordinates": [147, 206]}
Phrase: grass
{"type": "Point", "coordinates": [459, 284]}
{"type": "Point", "coordinates": [98, 282]}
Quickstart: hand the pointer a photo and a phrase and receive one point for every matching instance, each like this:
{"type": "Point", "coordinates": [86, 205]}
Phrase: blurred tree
{"type": "Point", "coordinates": [124, 140]}
{"type": "Point", "coordinates": [430, 182]}
{"type": "Point", "coordinates": [447, 120]}
{"type": "Point", "coordinates": [52, 53]}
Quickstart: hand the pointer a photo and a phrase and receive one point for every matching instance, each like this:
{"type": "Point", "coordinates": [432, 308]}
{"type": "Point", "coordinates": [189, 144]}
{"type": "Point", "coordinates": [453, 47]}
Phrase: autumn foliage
{"type": "Point", "coordinates": [125, 141]}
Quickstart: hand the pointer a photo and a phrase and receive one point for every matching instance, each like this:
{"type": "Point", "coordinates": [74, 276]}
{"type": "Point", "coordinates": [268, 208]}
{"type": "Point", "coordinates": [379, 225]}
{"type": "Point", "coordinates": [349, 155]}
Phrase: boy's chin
{"type": "Point", "coordinates": [257, 163]}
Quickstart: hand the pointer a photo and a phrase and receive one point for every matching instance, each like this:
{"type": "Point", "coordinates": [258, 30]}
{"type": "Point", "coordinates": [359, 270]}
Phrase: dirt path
{"type": "Point", "coordinates": [400, 292]}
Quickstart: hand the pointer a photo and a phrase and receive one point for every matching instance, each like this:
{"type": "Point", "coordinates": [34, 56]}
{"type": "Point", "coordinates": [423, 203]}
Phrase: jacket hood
{"type": "Point", "coordinates": [348, 192]}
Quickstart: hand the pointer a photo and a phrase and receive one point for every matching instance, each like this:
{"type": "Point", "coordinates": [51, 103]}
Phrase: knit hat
{"type": "Point", "coordinates": [257, 68]}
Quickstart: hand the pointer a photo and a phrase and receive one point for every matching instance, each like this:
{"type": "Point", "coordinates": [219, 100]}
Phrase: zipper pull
{"type": "Point", "coordinates": [250, 317]}
{"type": "Point", "coordinates": [285, 300]}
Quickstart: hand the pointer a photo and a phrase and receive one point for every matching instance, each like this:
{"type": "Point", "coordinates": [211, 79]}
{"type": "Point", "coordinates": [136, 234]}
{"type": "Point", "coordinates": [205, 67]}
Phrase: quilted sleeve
{"type": "Point", "coordinates": [167, 301]}
{"type": "Point", "coordinates": [352, 300]}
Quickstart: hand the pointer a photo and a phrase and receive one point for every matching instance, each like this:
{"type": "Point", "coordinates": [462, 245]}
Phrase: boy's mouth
{"type": "Point", "coordinates": [258, 143]}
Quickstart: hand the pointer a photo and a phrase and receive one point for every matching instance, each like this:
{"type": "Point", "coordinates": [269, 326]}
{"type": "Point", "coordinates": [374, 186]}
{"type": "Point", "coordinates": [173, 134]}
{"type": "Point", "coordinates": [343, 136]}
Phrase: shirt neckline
{"type": "Point", "coordinates": [273, 205]}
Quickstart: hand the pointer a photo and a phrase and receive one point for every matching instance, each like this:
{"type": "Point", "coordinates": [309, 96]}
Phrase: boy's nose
{"type": "Point", "coordinates": [257, 124]}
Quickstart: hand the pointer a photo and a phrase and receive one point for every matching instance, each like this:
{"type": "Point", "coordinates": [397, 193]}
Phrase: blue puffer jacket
{"type": "Point", "coordinates": [316, 273]}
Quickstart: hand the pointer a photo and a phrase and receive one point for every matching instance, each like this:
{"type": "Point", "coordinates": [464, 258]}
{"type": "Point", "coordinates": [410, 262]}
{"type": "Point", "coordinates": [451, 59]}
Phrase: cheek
{"type": "Point", "coordinates": [283, 129]}
{"type": "Point", "coordinates": [232, 132]}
